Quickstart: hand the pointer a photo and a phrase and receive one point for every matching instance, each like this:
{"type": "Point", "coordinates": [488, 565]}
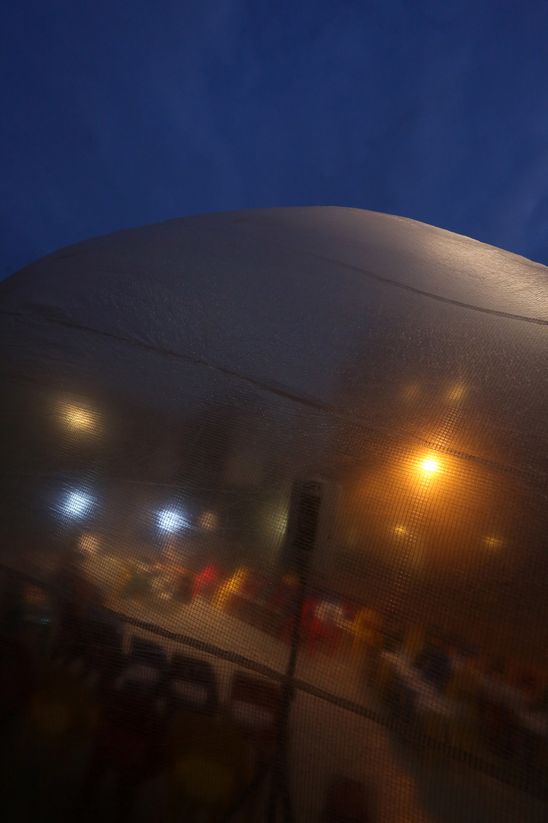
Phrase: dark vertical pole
{"type": "Point", "coordinates": [306, 502]}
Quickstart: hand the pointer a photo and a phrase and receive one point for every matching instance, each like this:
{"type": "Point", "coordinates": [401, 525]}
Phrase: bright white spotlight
{"type": "Point", "coordinates": [77, 504]}
{"type": "Point", "coordinates": [171, 520]}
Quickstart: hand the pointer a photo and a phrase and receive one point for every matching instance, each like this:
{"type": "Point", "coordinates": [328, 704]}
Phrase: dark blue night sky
{"type": "Point", "coordinates": [117, 114]}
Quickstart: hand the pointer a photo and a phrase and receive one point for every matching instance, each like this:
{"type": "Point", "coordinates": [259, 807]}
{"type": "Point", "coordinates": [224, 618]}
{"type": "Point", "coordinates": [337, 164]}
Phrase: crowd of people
{"type": "Point", "coordinates": [495, 705]}
{"type": "Point", "coordinates": [474, 700]}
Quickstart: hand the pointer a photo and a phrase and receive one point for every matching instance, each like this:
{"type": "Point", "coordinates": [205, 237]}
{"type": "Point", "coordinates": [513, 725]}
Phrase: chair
{"type": "Point", "coordinates": [148, 652]}
{"type": "Point", "coordinates": [141, 681]}
{"type": "Point", "coordinates": [192, 685]}
{"type": "Point", "coordinates": [254, 704]}
{"type": "Point", "coordinates": [130, 740]}
{"type": "Point", "coordinates": [133, 698]}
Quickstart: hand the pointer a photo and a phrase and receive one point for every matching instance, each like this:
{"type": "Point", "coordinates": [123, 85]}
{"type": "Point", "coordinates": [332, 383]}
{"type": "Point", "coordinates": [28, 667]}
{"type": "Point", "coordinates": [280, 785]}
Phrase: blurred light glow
{"type": "Point", "coordinates": [78, 418]}
{"type": "Point", "coordinates": [429, 466]}
{"type": "Point", "coordinates": [275, 521]}
{"type": "Point", "coordinates": [492, 541]}
{"type": "Point", "coordinates": [77, 504]}
{"type": "Point", "coordinates": [401, 531]}
{"type": "Point", "coordinates": [208, 521]}
{"type": "Point", "coordinates": [171, 520]}
{"type": "Point", "coordinates": [89, 543]}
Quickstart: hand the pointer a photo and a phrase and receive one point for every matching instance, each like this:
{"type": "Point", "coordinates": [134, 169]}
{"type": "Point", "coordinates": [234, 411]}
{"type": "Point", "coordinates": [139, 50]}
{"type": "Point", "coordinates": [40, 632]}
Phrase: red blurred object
{"type": "Point", "coordinates": [206, 581]}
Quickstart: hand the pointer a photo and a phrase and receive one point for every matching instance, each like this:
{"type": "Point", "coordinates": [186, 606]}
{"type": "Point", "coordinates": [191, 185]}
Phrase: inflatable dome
{"type": "Point", "coordinates": [274, 524]}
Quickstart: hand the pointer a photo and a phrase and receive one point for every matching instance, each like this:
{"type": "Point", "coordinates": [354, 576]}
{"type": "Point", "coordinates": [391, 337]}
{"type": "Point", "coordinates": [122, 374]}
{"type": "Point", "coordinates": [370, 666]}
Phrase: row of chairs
{"type": "Point", "coordinates": [148, 714]}
{"type": "Point", "coordinates": [144, 712]}
{"type": "Point", "coordinates": [183, 682]}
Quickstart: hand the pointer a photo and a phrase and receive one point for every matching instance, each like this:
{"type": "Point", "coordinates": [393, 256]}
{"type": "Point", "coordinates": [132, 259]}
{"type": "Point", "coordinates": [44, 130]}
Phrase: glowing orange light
{"type": "Point", "coordinates": [429, 466]}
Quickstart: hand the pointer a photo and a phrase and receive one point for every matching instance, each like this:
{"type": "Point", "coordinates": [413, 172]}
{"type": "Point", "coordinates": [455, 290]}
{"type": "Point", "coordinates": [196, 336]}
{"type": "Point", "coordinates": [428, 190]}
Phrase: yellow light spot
{"type": "Point", "coordinates": [400, 531]}
{"type": "Point", "coordinates": [492, 541]}
{"type": "Point", "coordinates": [78, 418]}
{"type": "Point", "coordinates": [429, 466]}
